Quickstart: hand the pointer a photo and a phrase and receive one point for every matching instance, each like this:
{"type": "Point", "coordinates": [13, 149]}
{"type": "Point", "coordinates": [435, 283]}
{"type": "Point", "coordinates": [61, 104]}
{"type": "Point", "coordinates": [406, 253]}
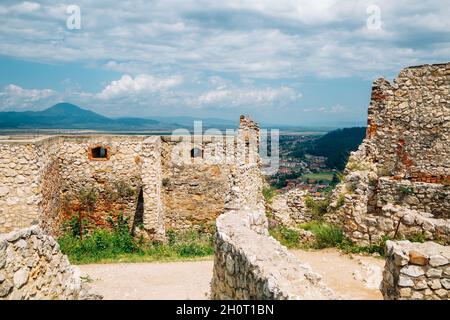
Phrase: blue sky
{"type": "Point", "coordinates": [304, 62]}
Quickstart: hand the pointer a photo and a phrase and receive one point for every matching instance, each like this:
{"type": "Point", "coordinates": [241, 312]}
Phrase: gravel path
{"type": "Point", "coordinates": [350, 278]}
{"type": "Point", "coordinates": [151, 281]}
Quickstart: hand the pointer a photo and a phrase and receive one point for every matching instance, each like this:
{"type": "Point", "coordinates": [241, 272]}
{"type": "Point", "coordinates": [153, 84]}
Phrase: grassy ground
{"type": "Point", "coordinates": [326, 236]}
{"type": "Point", "coordinates": [114, 246]}
{"type": "Point", "coordinates": [141, 258]}
{"type": "Point", "coordinates": [318, 176]}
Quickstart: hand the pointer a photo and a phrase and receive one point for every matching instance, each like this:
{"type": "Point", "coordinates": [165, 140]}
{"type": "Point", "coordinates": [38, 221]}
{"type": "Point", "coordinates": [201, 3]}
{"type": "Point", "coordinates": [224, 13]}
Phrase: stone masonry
{"type": "Point", "coordinates": [397, 183]}
{"type": "Point", "coordinates": [249, 264]}
{"type": "Point", "coordinates": [141, 177]}
{"type": "Point", "coordinates": [416, 271]}
{"type": "Point", "coordinates": [33, 267]}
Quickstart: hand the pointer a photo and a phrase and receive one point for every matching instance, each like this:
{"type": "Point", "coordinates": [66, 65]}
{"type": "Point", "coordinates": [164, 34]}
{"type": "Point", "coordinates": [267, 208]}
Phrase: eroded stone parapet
{"type": "Point", "coordinates": [417, 271]}
{"type": "Point", "coordinates": [249, 264]}
{"type": "Point", "coordinates": [33, 267]}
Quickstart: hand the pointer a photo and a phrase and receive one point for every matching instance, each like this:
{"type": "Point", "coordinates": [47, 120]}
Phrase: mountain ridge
{"type": "Point", "coordinates": [69, 116]}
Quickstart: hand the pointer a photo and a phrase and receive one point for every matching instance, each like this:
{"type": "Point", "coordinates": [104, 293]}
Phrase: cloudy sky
{"type": "Point", "coordinates": [299, 62]}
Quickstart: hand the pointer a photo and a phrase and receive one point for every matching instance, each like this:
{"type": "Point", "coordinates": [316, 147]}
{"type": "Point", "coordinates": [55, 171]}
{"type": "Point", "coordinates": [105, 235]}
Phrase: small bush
{"type": "Point", "coordinates": [119, 245]}
{"type": "Point", "coordinates": [406, 190]}
{"type": "Point", "coordinates": [287, 237]}
{"type": "Point", "coordinates": [123, 189]}
{"type": "Point", "coordinates": [87, 198]}
{"type": "Point", "coordinates": [351, 187]}
{"type": "Point", "coordinates": [354, 165]}
{"type": "Point", "coordinates": [327, 235]}
{"type": "Point", "coordinates": [416, 237]}
{"type": "Point", "coordinates": [317, 207]}
{"type": "Point", "coordinates": [341, 200]}
{"type": "Point", "coordinates": [269, 193]}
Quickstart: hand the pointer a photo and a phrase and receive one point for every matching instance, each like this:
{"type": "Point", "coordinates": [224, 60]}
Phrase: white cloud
{"type": "Point", "coordinates": [25, 7]}
{"type": "Point", "coordinates": [253, 97]}
{"type": "Point", "coordinates": [253, 39]}
{"type": "Point", "coordinates": [141, 84]}
{"type": "Point", "coordinates": [333, 109]}
{"type": "Point", "coordinates": [18, 98]}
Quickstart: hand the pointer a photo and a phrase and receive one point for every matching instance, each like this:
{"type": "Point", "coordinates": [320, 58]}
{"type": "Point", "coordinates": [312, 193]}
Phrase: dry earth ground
{"type": "Point", "coordinates": [350, 277]}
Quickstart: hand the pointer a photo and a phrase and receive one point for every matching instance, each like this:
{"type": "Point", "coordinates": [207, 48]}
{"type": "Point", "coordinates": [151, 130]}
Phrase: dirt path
{"type": "Point", "coordinates": [151, 281]}
{"type": "Point", "coordinates": [356, 278]}
{"type": "Point", "coordinates": [350, 278]}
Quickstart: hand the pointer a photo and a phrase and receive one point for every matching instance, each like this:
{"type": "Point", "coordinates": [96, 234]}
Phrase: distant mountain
{"type": "Point", "coordinates": [336, 145]}
{"type": "Point", "coordinates": [70, 116]}
{"type": "Point", "coordinates": [206, 122]}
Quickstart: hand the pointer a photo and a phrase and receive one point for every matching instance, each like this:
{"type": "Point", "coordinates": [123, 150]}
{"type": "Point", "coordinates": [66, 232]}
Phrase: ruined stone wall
{"type": "Point", "coordinates": [225, 175]}
{"type": "Point", "coordinates": [194, 190]}
{"type": "Point", "coordinates": [427, 197]}
{"type": "Point", "coordinates": [416, 271]}
{"type": "Point", "coordinates": [249, 264]}
{"type": "Point", "coordinates": [409, 124]}
{"type": "Point", "coordinates": [402, 163]}
{"type": "Point", "coordinates": [33, 267]}
{"type": "Point", "coordinates": [47, 180]}
{"type": "Point", "coordinates": [153, 211]}
{"type": "Point", "coordinates": [290, 208]}
{"type": "Point", "coordinates": [28, 175]}
{"type": "Point", "coordinates": [116, 180]}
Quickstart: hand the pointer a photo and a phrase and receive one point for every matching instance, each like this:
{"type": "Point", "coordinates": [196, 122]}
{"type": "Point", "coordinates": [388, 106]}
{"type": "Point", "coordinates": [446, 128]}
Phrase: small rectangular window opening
{"type": "Point", "coordinates": [99, 153]}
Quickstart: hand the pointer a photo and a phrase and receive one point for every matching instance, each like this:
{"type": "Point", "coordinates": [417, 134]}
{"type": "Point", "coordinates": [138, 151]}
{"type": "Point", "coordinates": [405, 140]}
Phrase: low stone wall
{"type": "Point", "coordinates": [249, 264]}
{"type": "Point", "coordinates": [290, 208]}
{"type": "Point", "coordinates": [33, 267]}
{"type": "Point", "coordinates": [432, 198]}
{"type": "Point", "coordinates": [416, 271]}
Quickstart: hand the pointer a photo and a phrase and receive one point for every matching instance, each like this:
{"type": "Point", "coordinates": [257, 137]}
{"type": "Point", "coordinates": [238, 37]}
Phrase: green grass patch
{"type": "Point", "coordinates": [287, 237]}
{"type": "Point", "coordinates": [332, 236]}
{"type": "Point", "coordinates": [317, 207]}
{"type": "Point", "coordinates": [102, 246]}
{"type": "Point", "coordinates": [269, 193]}
{"type": "Point", "coordinates": [328, 176]}
{"type": "Point", "coordinates": [327, 235]}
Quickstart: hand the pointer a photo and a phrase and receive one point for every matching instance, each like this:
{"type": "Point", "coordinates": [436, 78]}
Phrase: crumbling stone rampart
{"type": "Point", "coordinates": [33, 267]}
{"type": "Point", "coordinates": [249, 264]}
{"type": "Point", "coordinates": [42, 179]}
{"type": "Point", "coordinates": [402, 168]}
{"type": "Point", "coordinates": [416, 271]}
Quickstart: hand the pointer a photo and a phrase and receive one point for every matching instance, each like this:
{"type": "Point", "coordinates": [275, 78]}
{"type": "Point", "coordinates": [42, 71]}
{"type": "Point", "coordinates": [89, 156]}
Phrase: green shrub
{"type": "Point", "coordinates": [406, 190]}
{"type": "Point", "coordinates": [416, 237]}
{"type": "Point", "coordinates": [355, 165]}
{"type": "Point", "coordinates": [287, 237]}
{"type": "Point", "coordinates": [269, 193]}
{"type": "Point", "coordinates": [341, 200]}
{"type": "Point", "coordinates": [327, 235]}
{"type": "Point", "coordinates": [317, 207]}
{"type": "Point", "coordinates": [118, 244]}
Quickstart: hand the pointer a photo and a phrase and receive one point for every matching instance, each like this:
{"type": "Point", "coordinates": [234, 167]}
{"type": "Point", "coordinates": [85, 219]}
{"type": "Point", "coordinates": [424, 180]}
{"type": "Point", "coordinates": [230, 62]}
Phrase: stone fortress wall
{"type": "Point", "coordinates": [249, 264]}
{"type": "Point", "coordinates": [142, 176]}
{"type": "Point", "coordinates": [416, 271]}
{"type": "Point", "coordinates": [33, 267]}
{"type": "Point", "coordinates": [398, 181]}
